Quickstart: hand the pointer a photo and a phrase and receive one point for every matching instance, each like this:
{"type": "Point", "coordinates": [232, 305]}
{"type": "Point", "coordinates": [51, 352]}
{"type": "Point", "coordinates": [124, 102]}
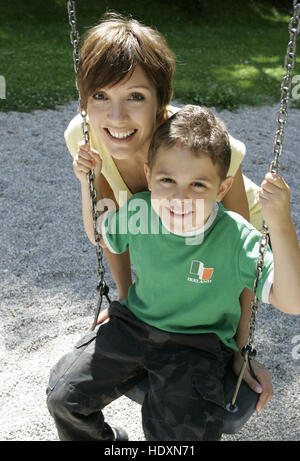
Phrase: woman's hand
{"type": "Point", "coordinates": [274, 198]}
{"type": "Point", "coordinates": [86, 160]}
{"type": "Point", "coordinates": [262, 385]}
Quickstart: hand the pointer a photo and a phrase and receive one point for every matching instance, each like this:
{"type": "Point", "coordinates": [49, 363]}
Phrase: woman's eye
{"type": "Point", "coordinates": [99, 96]}
{"type": "Point", "coordinates": [137, 97]}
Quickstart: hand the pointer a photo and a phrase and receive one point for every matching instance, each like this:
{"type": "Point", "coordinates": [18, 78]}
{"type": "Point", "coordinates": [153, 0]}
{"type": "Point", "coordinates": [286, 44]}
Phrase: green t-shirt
{"type": "Point", "coordinates": [188, 283]}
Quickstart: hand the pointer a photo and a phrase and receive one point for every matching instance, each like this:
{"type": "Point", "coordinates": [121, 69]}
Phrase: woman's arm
{"type": "Point", "coordinates": [236, 198]}
{"type": "Point", "coordinates": [84, 161]}
{"type": "Point", "coordinates": [275, 202]}
{"type": "Point", "coordinates": [263, 383]}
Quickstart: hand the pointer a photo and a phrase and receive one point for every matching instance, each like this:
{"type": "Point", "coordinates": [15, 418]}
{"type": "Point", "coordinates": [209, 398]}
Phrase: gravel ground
{"type": "Point", "coordinates": [48, 274]}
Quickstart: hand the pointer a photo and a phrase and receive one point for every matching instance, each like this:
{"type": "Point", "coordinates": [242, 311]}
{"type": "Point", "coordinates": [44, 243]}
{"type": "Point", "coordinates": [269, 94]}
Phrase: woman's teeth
{"type": "Point", "coordinates": [123, 135]}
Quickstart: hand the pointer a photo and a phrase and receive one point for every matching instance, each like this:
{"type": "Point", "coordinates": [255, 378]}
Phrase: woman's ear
{"type": "Point", "coordinates": [165, 112]}
{"type": "Point", "coordinates": [224, 188]}
{"type": "Point", "coordinates": [147, 174]}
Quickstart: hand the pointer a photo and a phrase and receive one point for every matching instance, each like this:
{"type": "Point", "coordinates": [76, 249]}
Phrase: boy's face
{"type": "Point", "coordinates": [184, 187]}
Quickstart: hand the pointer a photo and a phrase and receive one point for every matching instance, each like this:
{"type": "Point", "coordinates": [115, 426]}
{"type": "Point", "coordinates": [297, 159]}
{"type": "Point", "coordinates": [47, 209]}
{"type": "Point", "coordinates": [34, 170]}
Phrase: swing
{"type": "Point", "coordinates": [240, 399]}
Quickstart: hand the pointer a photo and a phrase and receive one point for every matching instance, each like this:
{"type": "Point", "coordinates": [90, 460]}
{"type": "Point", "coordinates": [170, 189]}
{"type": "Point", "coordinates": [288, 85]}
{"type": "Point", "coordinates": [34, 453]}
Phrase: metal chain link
{"type": "Point", "coordinates": [102, 287]}
{"type": "Point", "coordinates": [289, 64]}
{"type": "Point", "coordinates": [74, 35]}
{"type": "Point", "coordinates": [248, 351]}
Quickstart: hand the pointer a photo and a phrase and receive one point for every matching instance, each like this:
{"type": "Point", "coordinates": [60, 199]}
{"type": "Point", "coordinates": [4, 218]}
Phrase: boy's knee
{"type": "Point", "coordinates": [56, 399]}
{"type": "Point", "coordinates": [58, 388]}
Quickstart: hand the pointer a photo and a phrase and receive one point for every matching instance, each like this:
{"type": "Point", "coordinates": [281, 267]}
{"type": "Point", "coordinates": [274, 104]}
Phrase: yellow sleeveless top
{"type": "Point", "coordinates": [73, 135]}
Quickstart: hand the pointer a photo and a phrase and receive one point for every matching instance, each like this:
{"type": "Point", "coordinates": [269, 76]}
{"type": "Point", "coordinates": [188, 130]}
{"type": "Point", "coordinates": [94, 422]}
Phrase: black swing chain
{"type": "Point", "coordinates": [102, 287]}
{"type": "Point", "coordinates": [248, 351]}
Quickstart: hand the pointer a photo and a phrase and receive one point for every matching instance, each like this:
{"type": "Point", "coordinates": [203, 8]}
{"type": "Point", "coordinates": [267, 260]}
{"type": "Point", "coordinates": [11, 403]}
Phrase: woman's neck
{"type": "Point", "coordinates": [132, 172]}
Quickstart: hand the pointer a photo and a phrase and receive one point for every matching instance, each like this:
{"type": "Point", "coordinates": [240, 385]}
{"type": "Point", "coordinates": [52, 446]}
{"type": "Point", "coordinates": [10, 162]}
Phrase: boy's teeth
{"type": "Point", "coordinates": [180, 213]}
{"type": "Point", "coordinates": [123, 135]}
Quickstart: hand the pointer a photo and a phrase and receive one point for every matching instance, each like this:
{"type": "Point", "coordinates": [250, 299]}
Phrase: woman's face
{"type": "Point", "coordinates": [124, 116]}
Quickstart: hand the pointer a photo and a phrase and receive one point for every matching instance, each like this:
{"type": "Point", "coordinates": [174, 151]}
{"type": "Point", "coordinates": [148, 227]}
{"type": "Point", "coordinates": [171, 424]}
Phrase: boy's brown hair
{"type": "Point", "coordinates": [198, 129]}
{"type": "Point", "coordinates": [114, 48]}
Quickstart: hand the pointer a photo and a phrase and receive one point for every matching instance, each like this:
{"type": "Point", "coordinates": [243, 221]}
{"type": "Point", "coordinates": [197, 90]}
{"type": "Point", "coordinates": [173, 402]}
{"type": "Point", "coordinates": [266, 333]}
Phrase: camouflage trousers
{"type": "Point", "coordinates": [185, 400]}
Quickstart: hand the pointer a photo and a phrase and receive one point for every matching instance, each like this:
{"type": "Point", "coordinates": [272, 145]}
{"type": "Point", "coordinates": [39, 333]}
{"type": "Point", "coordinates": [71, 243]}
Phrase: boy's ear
{"type": "Point", "coordinates": [224, 188]}
{"type": "Point", "coordinates": [147, 174]}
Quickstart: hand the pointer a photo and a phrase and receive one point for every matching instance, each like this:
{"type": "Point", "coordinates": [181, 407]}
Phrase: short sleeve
{"type": "Point", "coordinates": [114, 230]}
{"type": "Point", "coordinates": [238, 151]}
{"type": "Point", "coordinates": [73, 134]}
{"type": "Point", "coordinates": [247, 266]}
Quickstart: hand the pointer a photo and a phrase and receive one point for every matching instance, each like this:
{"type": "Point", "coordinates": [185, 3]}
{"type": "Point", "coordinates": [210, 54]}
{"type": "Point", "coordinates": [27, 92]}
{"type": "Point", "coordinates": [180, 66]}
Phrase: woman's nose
{"type": "Point", "coordinates": [117, 112]}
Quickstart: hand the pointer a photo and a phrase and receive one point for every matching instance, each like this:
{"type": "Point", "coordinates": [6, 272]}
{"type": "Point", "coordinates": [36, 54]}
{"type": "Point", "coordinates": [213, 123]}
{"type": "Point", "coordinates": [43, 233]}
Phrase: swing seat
{"type": "Point", "coordinates": [244, 406]}
{"type": "Point", "coordinates": [234, 420]}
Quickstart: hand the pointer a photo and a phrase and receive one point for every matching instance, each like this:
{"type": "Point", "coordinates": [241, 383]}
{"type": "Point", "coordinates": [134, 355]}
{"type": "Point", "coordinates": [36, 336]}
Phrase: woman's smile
{"type": "Point", "coordinates": [120, 136]}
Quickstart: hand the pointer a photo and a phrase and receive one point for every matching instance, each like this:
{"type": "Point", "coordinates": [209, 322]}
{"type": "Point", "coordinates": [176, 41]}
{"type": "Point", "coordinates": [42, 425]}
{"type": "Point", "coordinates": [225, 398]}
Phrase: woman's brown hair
{"type": "Point", "coordinates": [114, 48]}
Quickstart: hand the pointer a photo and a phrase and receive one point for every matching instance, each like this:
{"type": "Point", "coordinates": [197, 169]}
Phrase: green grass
{"type": "Point", "coordinates": [229, 53]}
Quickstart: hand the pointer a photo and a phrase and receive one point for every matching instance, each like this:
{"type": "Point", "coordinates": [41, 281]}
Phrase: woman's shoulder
{"type": "Point", "coordinates": [73, 134]}
{"type": "Point", "coordinates": [237, 145]}
{"type": "Point", "coordinates": [74, 126]}
{"type": "Point", "coordinates": [173, 109]}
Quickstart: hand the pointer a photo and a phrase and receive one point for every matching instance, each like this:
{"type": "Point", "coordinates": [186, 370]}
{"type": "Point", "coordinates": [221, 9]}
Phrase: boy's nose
{"type": "Point", "coordinates": [180, 202]}
{"type": "Point", "coordinates": [179, 195]}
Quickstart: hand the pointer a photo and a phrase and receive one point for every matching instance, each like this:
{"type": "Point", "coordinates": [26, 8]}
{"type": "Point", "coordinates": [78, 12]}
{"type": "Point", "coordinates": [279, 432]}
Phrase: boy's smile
{"type": "Point", "coordinates": [184, 187]}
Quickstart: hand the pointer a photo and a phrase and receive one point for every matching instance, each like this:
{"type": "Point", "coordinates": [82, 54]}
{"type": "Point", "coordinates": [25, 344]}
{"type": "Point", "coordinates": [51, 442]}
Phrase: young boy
{"type": "Point", "coordinates": [192, 260]}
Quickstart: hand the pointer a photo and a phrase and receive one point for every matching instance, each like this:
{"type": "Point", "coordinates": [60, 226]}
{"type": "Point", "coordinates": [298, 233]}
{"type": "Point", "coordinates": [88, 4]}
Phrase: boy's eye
{"type": "Point", "coordinates": [167, 180]}
{"type": "Point", "coordinates": [198, 185]}
{"type": "Point", "coordinates": [137, 97]}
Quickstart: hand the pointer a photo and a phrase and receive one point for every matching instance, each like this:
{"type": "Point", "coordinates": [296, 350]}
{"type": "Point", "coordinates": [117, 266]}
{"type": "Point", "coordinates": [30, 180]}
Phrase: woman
{"type": "Point", "coordinates": [125, 81]}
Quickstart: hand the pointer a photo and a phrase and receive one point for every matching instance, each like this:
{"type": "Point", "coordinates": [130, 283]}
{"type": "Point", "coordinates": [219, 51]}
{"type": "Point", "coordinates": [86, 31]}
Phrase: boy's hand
{"type": "Point", "coordinates": [274, 198]}
{"type": "Point", "coordinates": [102, 318]}
{"type": "Point", "coordinates": [86, 160]}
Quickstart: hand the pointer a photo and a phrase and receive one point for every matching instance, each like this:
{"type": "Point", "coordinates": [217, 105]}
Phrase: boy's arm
{"type": "Point", "coordinates": [275, 202]}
